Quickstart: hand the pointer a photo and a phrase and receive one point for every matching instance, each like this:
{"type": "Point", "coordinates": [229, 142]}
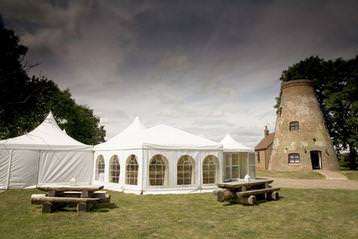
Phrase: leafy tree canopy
{"type": "Point", "coordinates": [25, 101]}
{"type": "Point", "coordinates": [336, 88]}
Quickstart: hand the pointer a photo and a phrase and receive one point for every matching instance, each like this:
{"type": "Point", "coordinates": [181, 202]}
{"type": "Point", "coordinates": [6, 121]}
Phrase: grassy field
{"type": "Point", "coordinates": [350, 174]}
{"type": "Point", "coordinates": [299, 214]}
{"type": "Point", "coordinates": [286, 174]}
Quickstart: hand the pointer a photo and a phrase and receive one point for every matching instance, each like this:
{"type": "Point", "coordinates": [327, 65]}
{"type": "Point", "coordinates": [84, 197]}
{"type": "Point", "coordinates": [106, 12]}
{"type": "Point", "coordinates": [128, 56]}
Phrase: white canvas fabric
{"type": "Point", "coordinates": [231, 145]}
{"type": "Point", "coordinates": [48, 135]}
{"type": "Point", "coordinates": [167, 137]}
{"type": "Point", "coordinates": [136, 136]}
{"type": "Point", "coordinates": [130, 138]}
{"type": "Point", "coordinates": [63, 166]}
{"type": "Point", "coordinates": [20, 164]}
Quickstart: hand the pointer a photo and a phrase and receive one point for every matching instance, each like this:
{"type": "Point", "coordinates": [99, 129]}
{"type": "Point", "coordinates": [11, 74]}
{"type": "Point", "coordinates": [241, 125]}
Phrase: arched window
{"type": "Point", "coordinates": [185, 170]}
{"type": "Point", "coordinates": [114, 169]}
{"type": "Point", "coordinates": [293, 158]}
{"type": "Point", "coordinates": [132, 170]}
{"type": "Point", "coordinates": [157, 170]}
{"type": "Point", "coordinates": [100, 168]}
{"type": "Point", "coordinates": [294, 125]}
{"type": "Point", "coordinates": [209, 169]}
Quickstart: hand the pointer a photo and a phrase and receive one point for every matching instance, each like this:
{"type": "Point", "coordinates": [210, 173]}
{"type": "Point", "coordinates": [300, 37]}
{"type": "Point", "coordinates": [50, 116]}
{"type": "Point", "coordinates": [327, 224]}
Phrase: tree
{"type": "Point", "coordinates": [25, 101]}
{"type": "Point", "coordinates": [336, 88]}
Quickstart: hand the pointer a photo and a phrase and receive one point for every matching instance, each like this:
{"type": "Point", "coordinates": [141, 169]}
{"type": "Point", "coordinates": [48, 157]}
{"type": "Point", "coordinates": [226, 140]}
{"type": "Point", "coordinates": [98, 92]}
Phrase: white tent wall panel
{"type": "Point", "coordinates": [63, 166]}
{"type": "Point", "coordinates": [173, 156]}
{"type": "Point", "coordinates": [123, 156]}
{"type": "Point", "coordinates": [252, 165]}
{"type": "Point", "coordinates": [143, 159]}
{"type": "Point", "coordinates": [24, 168]}
{"type": "Point", "coordinates": [4, 167]}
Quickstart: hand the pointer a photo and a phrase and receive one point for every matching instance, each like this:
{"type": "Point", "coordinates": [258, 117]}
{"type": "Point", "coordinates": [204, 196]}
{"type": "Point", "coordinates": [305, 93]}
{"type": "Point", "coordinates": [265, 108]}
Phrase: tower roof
{"type": "Point", "coordinates": [265, 142]}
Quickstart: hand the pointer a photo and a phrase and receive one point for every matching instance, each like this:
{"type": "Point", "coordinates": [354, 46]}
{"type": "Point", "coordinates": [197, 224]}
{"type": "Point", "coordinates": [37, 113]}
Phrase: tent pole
{"type": "Point", "coordinates": [9, 169]}
{"type": "Point", "coordinates": [143, 168]}
{"type": "Point", "coordinates": [248, 164]}
{"type": "Point", "coordinates": [38, 169]}
{"type": "Point", "coordinates": [200, 174]}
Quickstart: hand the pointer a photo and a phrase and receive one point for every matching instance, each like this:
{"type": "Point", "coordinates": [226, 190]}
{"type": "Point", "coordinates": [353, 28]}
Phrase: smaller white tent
{"type": "Point", "coordinates": [231, 145]}
{"type": "Point", "coordinates": [239, 160]}
{"type": "Point", "coordinates": [44, 155]}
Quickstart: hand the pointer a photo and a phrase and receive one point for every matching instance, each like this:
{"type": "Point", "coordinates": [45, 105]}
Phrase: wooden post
{"type": "Point", "coordinates": [82, 207]}
{"type": "Point", "coordinates": [250, 200]}
{"type": "Point", "coordinates": [47, 207]}
{"type": "Point", "coordinates": [274, 196]}
{"type": "Point", "coordinates": [84, 194]}
{"type": "Point", "coordinates": [226, 195]}
{"type": "Point", "coordinates": [51, 193]}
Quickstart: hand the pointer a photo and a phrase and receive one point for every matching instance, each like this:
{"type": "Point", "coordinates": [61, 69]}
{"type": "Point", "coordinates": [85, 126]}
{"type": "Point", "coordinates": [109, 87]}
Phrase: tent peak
{"type": "Point", "coordinates": [231, 145]}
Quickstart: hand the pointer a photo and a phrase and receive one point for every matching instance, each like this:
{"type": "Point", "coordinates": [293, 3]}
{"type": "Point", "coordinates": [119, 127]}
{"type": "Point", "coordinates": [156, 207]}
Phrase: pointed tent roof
{"type": "Point", "coordinates": [231, 145]}
{"type": "Point", "coordinates": [47, 136]}
{"type": "Point", "coordinates": [136, 136]}
{"type": "Point", "coordinates": [129, 138]}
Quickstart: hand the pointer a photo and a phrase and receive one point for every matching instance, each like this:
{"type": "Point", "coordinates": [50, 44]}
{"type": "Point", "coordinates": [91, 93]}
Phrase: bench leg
{"type": "Point", "coordinates": [82, 207]}
{"type": "Point", "coordinates": [226, 195]}
{"type": "Point", "coordinates": [251, 200]}
{"type": "Point", "coordinates": [47, 207]}
{"type": "Point", "coordinates": [273, 196]}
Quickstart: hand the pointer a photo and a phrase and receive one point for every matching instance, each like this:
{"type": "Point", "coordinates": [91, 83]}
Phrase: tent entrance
{"type": "Point", "coordinates": [316, 159]}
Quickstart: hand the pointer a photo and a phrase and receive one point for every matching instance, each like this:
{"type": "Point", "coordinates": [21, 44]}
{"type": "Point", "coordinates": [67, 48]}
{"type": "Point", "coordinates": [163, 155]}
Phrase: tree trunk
{"type": "Point", "coordinates": [352, 158]}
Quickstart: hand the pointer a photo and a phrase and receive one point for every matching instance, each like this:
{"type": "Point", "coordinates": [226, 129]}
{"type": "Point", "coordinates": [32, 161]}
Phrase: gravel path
{"type": "Point", "coordinates": [315, 183]}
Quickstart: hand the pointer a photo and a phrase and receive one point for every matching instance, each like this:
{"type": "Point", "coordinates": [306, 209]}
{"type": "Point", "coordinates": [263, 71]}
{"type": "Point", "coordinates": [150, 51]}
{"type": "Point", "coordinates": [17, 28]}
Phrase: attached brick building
{"type": "Point", "coordinates": [263, 150]}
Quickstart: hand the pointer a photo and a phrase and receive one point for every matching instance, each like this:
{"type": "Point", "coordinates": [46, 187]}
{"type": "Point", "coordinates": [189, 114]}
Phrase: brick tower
{"type": "Point", "coordinates": [301, 140]}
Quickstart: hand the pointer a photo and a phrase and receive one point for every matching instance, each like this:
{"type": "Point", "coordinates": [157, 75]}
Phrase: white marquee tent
{"type": "Point", "coordinates": [239, 160]}
{"type": "Point", "coordinates": [161, 159]}
{"type": "Point", "coordinates": [43, 156]}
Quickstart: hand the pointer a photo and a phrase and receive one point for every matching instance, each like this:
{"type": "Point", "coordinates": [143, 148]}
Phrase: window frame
{"type": "Point", "coordinates": [100, 166]}
{"type": "Point", "coordinates": [211, 168]}
{"type": "Point", "coordinates": [132, 170]}
{"type": "Point", "coordinates": [163, 173]}
{"type": "Point", "coordinates": [114, 169]}
{"type": "Point", "coordinates": [294, 125]}
{"type": "Point", "coordinates": [294, 158]}
{"type": "Point", "coordinates": [182, 175]}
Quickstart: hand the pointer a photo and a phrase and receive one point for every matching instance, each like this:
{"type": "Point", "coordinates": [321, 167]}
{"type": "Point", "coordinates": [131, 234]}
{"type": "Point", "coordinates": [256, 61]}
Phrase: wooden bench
{"type": "Point", "coordinates": [249, 197]}
{"type": "Point", "coordinates": [51, 203]}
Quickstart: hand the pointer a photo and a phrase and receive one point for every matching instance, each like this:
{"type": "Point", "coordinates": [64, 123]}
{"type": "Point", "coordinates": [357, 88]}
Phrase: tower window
{"type": "Point", "coordinates": [294, 125]}
{"type": "Point", "coordinates": [294, 158]}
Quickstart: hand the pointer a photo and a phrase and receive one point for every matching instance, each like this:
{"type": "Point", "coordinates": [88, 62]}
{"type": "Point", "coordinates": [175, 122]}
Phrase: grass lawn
{"type": "Point", "coordinates": [299, 214]}
{"type": "Point", "coordinates": [289, 174]}
{"type": "Point", "coordinates": [350, 174]}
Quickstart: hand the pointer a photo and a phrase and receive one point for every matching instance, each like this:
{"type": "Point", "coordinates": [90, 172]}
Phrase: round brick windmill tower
{"type": "Point", "coordinates": [301, 139]}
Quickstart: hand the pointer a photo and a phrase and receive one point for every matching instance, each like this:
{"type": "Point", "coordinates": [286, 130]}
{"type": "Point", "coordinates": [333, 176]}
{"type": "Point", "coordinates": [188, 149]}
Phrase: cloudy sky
{"type": "Point", "coordinates": [208, 67]}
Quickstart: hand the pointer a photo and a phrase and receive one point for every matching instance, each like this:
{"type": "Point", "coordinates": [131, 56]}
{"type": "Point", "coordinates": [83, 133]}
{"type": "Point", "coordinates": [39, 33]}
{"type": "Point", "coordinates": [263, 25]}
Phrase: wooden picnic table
{"type": "Point", "coordinates": [244, 185]}
{"type": "Point", "coordinates": [57, 196]}
{"type": "Point", "coordinates": [245, 192]}
{"type": "Point", "coordinates": [58, 190]}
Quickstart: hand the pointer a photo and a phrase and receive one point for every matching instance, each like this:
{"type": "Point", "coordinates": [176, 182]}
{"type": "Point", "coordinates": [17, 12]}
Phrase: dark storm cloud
{"type": "Point", "coordinates": [208, 66]}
